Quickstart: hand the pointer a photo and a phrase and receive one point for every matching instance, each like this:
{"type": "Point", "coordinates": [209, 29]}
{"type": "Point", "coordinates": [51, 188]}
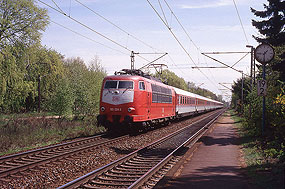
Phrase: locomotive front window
{"type": "Point", "coordinates": [111, 85]}
{"type": "Point", "coordinates": [125, 85]}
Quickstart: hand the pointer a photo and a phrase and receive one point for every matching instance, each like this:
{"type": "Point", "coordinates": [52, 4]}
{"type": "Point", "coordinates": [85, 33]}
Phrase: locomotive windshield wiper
{"type": "Point", "coordinates": [108, 91]}
{"type": "Point", "coordinates": [129, 87]}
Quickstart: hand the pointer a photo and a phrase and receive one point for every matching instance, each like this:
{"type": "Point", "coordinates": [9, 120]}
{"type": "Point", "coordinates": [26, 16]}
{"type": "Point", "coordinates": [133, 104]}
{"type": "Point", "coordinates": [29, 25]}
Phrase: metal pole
{"type": "Point", "coordinates": [251, 67]}
{"type": "Point", "coordinates": [132, 60]}
{"type": "Point", "coordinates": [251, 71]}
{"type": "Point", "coordinates": [242, 91]}
{"type": "Point", "coordinates": [254, 71]}
{"type": "Point", "coordinates": [264, 107]}
{"type": "Point", "coordinates": [39, 93]}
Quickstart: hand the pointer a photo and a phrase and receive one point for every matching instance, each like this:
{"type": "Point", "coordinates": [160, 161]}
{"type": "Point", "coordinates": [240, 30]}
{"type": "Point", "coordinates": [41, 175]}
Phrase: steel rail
{"type": "Point", "coordinates": [85, 178]}
{"type": "Point", "coordinates": [141, 181]}
{"type": "Point", "coordinates": [47, 148]}
{"type": "Point", "coordinates": [43, 159]}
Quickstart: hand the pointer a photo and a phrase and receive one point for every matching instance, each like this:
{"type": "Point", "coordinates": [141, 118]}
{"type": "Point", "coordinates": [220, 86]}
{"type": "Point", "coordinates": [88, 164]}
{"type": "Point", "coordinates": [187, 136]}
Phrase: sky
{"type": "Point", "coordinates": [108, 30]}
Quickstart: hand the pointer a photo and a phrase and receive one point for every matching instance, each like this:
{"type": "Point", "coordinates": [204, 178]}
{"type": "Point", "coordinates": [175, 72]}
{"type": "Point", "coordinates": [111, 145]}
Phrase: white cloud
{"type": "Point", "coordinates": [206, 4]}
{"type": "Point", "coordinates": [216, 3]}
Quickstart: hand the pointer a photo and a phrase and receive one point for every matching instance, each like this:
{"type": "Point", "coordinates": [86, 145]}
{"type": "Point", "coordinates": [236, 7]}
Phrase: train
{"type": "Point", "coordinates": [132, 100]}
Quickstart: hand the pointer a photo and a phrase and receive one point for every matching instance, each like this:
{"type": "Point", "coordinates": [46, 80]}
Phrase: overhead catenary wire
{"type": "Point", "coordinates": [187, 34]}
{"type": "Point", "coordinates": [87, 37]}
{"type": "Point", "coordinates": [163, 13]}
{"type": "Point", "coordinates": [57, 5]}
{"type": "Point", "coordinates": [84, 25]}
{"type": "Point", "coordinates": [181, 25]}
{"type": "Point", "coordinates": [240, 21]}
{"type": "Point", "coordinates": [115, 25]}
{"type": "Point", "coordinates": [93, 30]}
{"type": "Point", "coordinates": [124, 31]}
{"type": "Point", "coordinates": [178, 41]}
{"type": "Point", "coordinates": [62, 12]}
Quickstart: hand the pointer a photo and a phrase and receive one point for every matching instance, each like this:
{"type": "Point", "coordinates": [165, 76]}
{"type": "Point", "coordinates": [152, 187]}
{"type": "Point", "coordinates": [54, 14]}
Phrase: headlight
{"type": "Point", "coordinates": [102, 108]}
{"type": "Point", "coordinates": [131, 109]}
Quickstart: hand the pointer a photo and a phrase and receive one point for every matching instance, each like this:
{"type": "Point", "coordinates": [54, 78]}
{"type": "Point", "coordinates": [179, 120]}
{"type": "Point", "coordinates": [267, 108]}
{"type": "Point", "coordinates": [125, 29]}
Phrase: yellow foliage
{"type": "Point", "coordinates": [280, 99]}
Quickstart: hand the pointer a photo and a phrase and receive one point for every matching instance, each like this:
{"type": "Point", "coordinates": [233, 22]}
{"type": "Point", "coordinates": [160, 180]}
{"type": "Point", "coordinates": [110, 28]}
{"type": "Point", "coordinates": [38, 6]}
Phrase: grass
{"type": "Point", "coordinates": [25, 115]}
{"type": "Point", "coordinates": [263, 169]}
{"type": "Point", "coordinates": [23, 134]}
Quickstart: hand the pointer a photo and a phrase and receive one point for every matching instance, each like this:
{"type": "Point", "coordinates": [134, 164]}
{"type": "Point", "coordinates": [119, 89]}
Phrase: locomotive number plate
{"type": "Point", "coordinates": [115, 109]}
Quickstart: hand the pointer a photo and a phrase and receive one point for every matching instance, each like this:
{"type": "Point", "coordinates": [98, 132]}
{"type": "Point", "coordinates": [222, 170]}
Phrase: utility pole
{"type": "Point", "coordinates": [39, 93]}
{"type": "Point", "coordinates": [251, 71]}
{"type": "Point", "coordinates": [242, 90]}
{"type": "Point", "coordinates": [251, 64]}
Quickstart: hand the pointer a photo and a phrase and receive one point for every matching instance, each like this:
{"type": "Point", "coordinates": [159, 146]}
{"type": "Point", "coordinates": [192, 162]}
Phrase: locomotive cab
{"type": "Point", "coordinates": [122, 100]}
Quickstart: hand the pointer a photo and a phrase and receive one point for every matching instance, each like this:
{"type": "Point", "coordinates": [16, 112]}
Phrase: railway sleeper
{"type": "Point", "coordinates": [120, 175]}
{"type": "Point", "coordinates": [21, 161]}
{"type": "Point", "coordinates": [6, 166]}
{"type": "Point", "coordinates": [133, 167]}
{"type": "Point", "coordinates": [121, 184]}
{"type": "Point", "coordinates": [116, 179]}
{"type": "Point", "coordinates": [155, 179]}
{"type": "Point", "coordinates": [127, 172]}
{"type": "Point", "coordinates": [14, 164]}
{"type": "Point", "coordinates": [157, 155]}
{"type": "Point", "coordinates": [139, 164]}
{"type": "Point", "coordinates": [144, 158]}
{"type": "Point", "coordinates": [34, 158]}
{"type": "Point", "coordinates": [143, 162]}
{"type": "Point", "coordinates": [90, 187]}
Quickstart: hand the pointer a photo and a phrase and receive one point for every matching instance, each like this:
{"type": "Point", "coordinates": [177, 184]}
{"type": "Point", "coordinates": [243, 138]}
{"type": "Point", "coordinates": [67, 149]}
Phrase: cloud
{"type": "Point", "coordinates": [211, 4]}
{"type": "Point", "coordinates": [218, 3]}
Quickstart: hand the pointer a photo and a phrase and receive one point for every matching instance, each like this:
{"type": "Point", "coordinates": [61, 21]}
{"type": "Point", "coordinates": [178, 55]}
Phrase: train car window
{"type": "Point", "coordinates": [154, 97]}
{"type": "Point", "coordinates": [153, 88]}
{"type": "Point", "coordinates": [125, 85]}
{"type": "Point", "coordinates": [110, 84]}
{"type": "Point", "coordinates": [141, 85]}
{"type": "Point", "coordinates": [162, 94]}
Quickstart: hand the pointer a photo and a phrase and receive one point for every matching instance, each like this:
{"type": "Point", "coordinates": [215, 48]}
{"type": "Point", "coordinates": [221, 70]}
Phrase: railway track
{"type": "Point", "coordinates": [20, 162]}
{"type": "Point", "coordinates": [145, 167]}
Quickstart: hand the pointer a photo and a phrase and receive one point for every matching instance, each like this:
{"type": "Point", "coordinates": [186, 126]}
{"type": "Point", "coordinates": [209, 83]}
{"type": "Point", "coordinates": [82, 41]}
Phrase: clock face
{"type": "Point", "coordinates": [264, 53]}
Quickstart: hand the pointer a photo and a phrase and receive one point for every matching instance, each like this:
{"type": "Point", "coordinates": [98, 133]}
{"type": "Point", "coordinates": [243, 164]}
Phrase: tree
{"type": "Point", "coordinates": [20, 25]}
{"type": "Point", "coordinates": [21, 22]}
{"type": "Point", "coordinates": [273, 28]}
{"type": "Point", "coordinates": [172, 79]}
{"type": "Point", "coordinates": [85, 83]}
{"type": "Point", "coordinates": [44, 69]}
{"type": "Point", "coordinates": [238, 100]}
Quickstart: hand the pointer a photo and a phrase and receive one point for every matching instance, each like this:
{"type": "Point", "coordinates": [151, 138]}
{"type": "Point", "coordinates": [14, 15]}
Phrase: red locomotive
{"type": "Point", "coordinates": [134, 99]}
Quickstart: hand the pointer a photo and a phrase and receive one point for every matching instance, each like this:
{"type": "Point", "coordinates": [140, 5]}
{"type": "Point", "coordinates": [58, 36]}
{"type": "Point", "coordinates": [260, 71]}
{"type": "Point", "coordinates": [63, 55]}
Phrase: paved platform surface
{"type": "Point", "coordinates": [215, 163]}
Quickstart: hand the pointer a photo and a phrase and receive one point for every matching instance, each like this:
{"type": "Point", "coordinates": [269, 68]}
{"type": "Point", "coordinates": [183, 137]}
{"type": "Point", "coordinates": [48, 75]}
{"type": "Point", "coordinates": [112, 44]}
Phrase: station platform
{"type": "Point", "coordinates": [214, 162]}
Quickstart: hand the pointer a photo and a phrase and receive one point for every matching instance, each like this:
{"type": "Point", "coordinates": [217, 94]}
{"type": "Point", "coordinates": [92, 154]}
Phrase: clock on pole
{"type": "Point", "coordinates": [264, 53]}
